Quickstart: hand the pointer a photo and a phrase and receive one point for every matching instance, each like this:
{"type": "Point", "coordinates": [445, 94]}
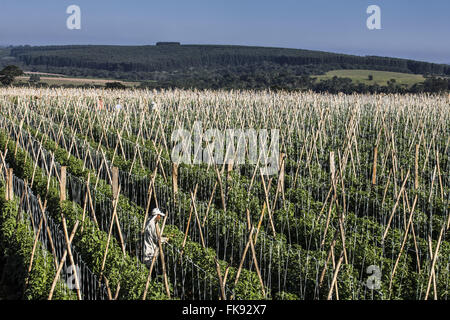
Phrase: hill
{"type": "Point", "coordinates": [170, 64]}
{"type": "Point", "coordinates": [129, 59]}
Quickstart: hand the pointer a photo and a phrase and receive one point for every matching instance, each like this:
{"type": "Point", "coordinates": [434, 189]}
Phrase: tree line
{"type": "Point", "coordinates": [144, 62]}
{"type": "Point", "coordinates": [259, 80]}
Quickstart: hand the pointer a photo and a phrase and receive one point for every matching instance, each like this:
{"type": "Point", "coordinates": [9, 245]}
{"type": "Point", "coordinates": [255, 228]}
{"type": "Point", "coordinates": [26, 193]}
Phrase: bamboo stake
{"type": "Point", "coordinates": [144, 296]}
{"type": "Point", "coordinates": [30, 266]}
{"type": "Point", "coordinates": [209, 203]}
{"type": "Point", "coordinates": [175, 178]}
{"type": "Point", "coordinates": [198, 220]}
{"type": "Point", "coordinates": [395, 206]}
{"type": "Point", "coordinates": [405, 237]}
{"type": "Point", "coordinates": [374, 170]}
{"type": "Point", "coordinates": [61, 263]}
{"type": "Point", "coordinates": [115, 194]}
{"type": "Point", "coordinates": [161, 253]}
{"type": "Point", "coordinates": [115, 182]}
{"type": "Point", "coordinates": [261, 217]}
{"type": "Point", "coordinates": [238, 273]}
{"type": "Point", "coordinates": [55, 258]}
{"type": "Point", "coordinates": [62, 185]}
{"type": "Point", "coordinates": [333, 282]}
{"type": "Point", "coordinates": [9, 185]}
{"type": "Point", "coordinates": [322, 275]}
{"type": "Point", "coordinates": [69, 251]}
{"type": "Point", "coordinates": [435, 255]}
{"type": "Point", "coordinates": [189, 220]}
{"type": "Point", "coordinates": [115, 203]}
{"type": "Point", "coordinates": [416, 168]}
{"type": "Point", "coordinates": [280, 183]}
{"type": "Point", "coordinates": [85, 202]}
{"type": "Point", "coordinates": [433, 273]}
{"type": "Point", "coordinates": [268, 204]}
{"type": "Point", "coordinates": [252, 247]}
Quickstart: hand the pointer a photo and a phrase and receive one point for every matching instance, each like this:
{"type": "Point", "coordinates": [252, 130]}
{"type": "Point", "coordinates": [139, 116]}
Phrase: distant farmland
{"type": "Point", "coordinates": [379, 77]}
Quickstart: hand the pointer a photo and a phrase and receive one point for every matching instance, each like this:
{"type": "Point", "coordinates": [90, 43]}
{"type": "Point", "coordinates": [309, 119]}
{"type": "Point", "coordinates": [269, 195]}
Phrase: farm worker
{"type": "Point", "coordinates": [100, 103]}
{"type": "Point", "coordinates": [151, 239]}
{"type": "Point", "coordinates": [34, 103]}
{"type": "Point", "coordinates": [118, 106]}
{"type": "Point", "coordinates": [153, 106]}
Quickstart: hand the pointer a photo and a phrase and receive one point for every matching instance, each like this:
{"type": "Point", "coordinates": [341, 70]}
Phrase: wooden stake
{"type": "Point", "coordinates": [435, 255]}
{"type": "Point", "coordinates": [374, 170]}
{"type": "Point", "coordinates": [252, 247]}
{"type": "Point", "coordinates": [9, 185]}
{"type": "Point", "coordinates": [433, 273]}
{"type": "Point", "coordinates": [30, 266]}
{"type": "Point", "coordinates": [395, 206]}
{"type": "Point", "coordinates": [61, 263]}
{"type": "Point", "coordinates": [280, 183]}
{"type": "Point", "coordinates": [69, 251]}
{"type": "Point", "coordinates": [322, 276]}
{"type": "Point", "coordinates": [198, 221]}
{"type": "Point", "coordinates": [238, 273]}
{"type": "Point", "coordinates": [115, 182]}
{"type": "Point", "coordinates": [55, 258]}
{"type": "Point", "coordinates": [62, 184]}
{"type": "Point", "coordinates": [175, 178]}
{"type": "Point", "coordinates": [268, 204]}
{"type": "Point", "coordinates": [332, 167]}
{"type": "Point", "coordinates": [115, 202]}
{"type": "Point", "coordinates": [115, 191]}
{"type": "Point", "coordinates": [333, 283]}
{"type": "Point", "coordinates": [221, 284]}
{"type": "Point", "coordinates": [189, 221]}
{"type": "Point", "coordinates": [161, 254]}
{"type": "Point", "coordinates": [405, 237]}
{"type": "Point", "coordinates": [416, 168]}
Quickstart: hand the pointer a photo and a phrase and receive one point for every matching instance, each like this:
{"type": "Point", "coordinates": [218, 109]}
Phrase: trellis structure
{"type": "Point", "coordinates": [364, 180]}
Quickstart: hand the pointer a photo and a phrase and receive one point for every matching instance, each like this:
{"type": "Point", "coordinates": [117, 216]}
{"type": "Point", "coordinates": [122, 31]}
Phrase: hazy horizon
{"type": "Point", "coordinates": [410, 29]}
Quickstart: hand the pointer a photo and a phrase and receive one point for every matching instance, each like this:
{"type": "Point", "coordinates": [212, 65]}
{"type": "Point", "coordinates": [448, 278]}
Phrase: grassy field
{"type": "Point", "coordinates": [379, 77]}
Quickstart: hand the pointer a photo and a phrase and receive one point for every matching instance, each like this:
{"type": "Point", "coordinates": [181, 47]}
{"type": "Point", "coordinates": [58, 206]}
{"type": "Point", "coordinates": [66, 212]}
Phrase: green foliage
{"type": "Point", "coordinates": [16, 244]}
{"type": "Point", "coordinates": [8, 74]}
{"type": "Point", "coordinates": [300, 225]}
{"type": "Point", "coordinates": [91, 244]}
{"type": "Point", "coordinates": [115, 85]}
{"type": "Point", "coordinates": [214, 66]}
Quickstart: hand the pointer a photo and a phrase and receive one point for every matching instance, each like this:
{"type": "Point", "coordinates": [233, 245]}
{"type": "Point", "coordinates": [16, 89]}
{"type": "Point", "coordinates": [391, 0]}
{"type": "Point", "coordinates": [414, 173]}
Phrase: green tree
{"type": "Point", "coordinates": [115, 85]}
{"type": "Point", "coordinates": [8, 74]}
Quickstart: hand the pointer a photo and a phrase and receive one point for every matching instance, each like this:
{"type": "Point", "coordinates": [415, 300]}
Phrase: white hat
{"type": "Point", "coordinates": [156, 211]}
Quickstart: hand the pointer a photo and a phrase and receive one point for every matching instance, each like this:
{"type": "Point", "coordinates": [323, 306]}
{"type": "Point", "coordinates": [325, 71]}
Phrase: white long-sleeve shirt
{"type": "Point", "coordinates": [151, 240]}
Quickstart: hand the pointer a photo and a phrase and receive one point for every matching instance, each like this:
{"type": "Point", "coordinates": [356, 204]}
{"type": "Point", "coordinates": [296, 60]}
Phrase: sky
{"type": "Point", "coordinates": [414, 29]}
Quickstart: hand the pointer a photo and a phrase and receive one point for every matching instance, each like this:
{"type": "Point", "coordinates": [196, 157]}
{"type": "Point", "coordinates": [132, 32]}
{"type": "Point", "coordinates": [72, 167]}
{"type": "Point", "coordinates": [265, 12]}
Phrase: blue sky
{"type": "Point", "coordinates": [416, 29]}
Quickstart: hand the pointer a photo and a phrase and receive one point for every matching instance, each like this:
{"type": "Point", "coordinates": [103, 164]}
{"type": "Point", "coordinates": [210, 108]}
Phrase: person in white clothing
{"type": "Point", "coordinates": [118, 105]}
{"type": "Point", "coordinates": [153, 106]}
{"type": "Point", "coordinates": [151, 239]}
